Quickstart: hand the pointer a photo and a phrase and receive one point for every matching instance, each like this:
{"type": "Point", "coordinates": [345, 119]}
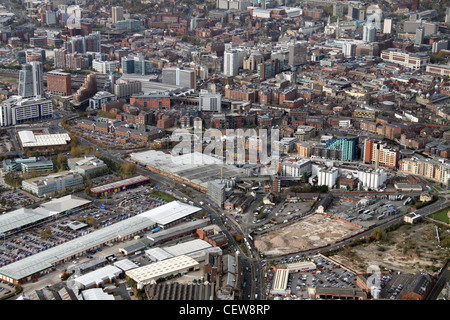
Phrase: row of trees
{"type": "Point", "coordinates": [308, 188]}
{"type": "Point", "coordinates": [125, 170]}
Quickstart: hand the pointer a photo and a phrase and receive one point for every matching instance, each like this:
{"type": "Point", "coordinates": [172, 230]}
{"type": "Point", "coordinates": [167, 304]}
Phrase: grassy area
{"type": "Point", "coordinates": [437, 188]}
{"type": "Point", "coordinates": [162, 196]}
{"type": "Point", "coordinates": [441, 216]}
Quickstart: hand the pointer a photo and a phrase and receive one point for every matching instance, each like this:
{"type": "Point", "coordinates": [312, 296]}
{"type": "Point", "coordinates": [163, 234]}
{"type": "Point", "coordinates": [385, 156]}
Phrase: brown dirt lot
{"type": "Point", "coordinates": [409, 249]}
{"type": "Point", "coordinates": [313, 232]}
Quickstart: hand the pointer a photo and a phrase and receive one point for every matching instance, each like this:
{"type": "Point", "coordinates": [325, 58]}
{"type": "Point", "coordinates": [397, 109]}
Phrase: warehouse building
{"type": "Point", "coordinates": [187, 248]}
{"type": "Point", "coordinates": [24, 218]}
{"type": "Point", "coordinates": [121, 185]}
{"type": "Point", "coordinates": [97, 278]}
{"type": "Point", "coordinates": [44, 262]}
{"type": "Point", "coordinates": [154, 271]}
{"type": "Point", "coordinates": [194, 169]}
{"type": "Point", "coordinates": [280, 282]}
{"type": "Point", "coordinates": [177, 231]}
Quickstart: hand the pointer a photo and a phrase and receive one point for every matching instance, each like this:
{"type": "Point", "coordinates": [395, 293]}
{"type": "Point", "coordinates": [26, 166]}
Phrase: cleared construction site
{"type": "Point", "coordinates": [312, 232]}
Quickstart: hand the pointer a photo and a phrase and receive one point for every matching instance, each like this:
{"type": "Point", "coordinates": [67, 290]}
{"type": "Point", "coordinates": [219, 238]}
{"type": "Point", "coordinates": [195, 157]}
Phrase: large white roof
{"type": "Point", "coordinates": [191, 248]}
{"type": "Point", "coordinates": [98, 276]}
{"type": "Point", "coordinates": [18, 218]}
{"type": "Point", "coordinates": [29, 139]}
{"type": "Point", "coordinates": [196, 167]}
{"type": "Point", "coordinates": [96, 294]}
{"type": "Point", "coordinates": [62, 204]}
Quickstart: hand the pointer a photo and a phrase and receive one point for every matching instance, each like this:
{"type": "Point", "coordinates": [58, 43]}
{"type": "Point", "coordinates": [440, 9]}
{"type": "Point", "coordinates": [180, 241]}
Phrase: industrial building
{"type": "Point", "coordinates": [36, 164]}
{"type": "Point", "coordinates": [87, 166]}
{"type": "Point", "coordinates": [28, 139]}
{"type": "Point", "coordinates": [97, 278]}
{"type": "Point", "coordinates": [23, 218]}
{"type": "Point", "coordinates": [280, 281]}
{"type": "Point", "coordinates": [43, 262]}
{"type": "Point", "coordinates": [177, 231]}
{"type": "Point", "coordinates": [327, 176]}
{"type": "Point", "coordinates": [17, 110]}
{"type": "Point", "coordinates": [120, 185]}
{"type": "Point", "coordinates": [195, 169]}
{"type": "Point", "coordinates": [216, 191]}
{"type": "Point", "coordinates": [372, 179]}
{"type": "Point", "coordinates": [296, 169]}
{"type": "Point", "coordinates": [195, 248]}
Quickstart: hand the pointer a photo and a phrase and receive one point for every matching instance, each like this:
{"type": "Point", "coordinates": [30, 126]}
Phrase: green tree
{"type": "Point", "coordinates": [45, 234]}
{"type": "Point", "coordinates": [88, 150]}
{"type": "Point", "coordinates": [76, 151]}
{"type": "Point", "coordinates": [128, 169]}
{"type": "Point", "coordinates": [61, 162]}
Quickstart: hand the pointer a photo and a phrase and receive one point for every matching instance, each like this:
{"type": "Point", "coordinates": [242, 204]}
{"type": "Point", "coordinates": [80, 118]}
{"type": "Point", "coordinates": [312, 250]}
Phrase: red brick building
{"type": "Point", "coordinates": [59, 83]}
{"type": "Point", "coordinates": [147, 102]}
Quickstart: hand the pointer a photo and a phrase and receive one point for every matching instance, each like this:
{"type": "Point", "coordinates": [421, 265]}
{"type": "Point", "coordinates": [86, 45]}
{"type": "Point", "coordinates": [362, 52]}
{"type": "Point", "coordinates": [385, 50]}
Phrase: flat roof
{"type": "Point", "coordinates": [188, 247]}
{"type": "Point", "coordinates": [301, 265]}
{"type": "Point", "coordinates": [96, 294]}
{"type": "Point", "coordinates": [29, 139]}
{"type": "Point", "coordinates": [170, 212]}
{"type": "Point", "coordinates": [23, 216]}
{"type": "Point", "coordinates": [46, 259]}
{"type": "Point", "coordinates": [185, 248]}
{"type": "Point", "coordinates": [98, 276]}
{"type": "Point", "coordinates": [158, 254]}
{"type": "Point", "coordinates": [280, 280]}
{"type": "Point", "coordinates": [160, 269]}
{"type": "Point", "coordinates": [195, 167]}
{"type": "Point", "coordinates": [118, 184]}
{"type": "Point", "coordinates": [63, 204]}
{"type": "Point", "coordinates": [126, 264]}
{"type": "Point", "coordinates": [149, 86]}
{"type": "Point", "coordinates": [18, 218]}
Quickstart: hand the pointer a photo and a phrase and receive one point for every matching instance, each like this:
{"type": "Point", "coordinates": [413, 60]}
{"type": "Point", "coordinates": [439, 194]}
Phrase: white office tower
{"type": "Point", "coordinates": [80, 44]}
{"type": "Point", "coordinates": [31, 80]}
{"type": "Point", "coordinates": [296, 169]}
{"type": "Point", "coordinates": [349, 49]}
{"type": "Point", "coordinates": [387, 27]}
{"type": "Point", "coordinates": [210, 102]}
{"type": "Point", "coordinates": [447, 15]}
{"type": "Point", "coordinates": [420, 34]}
{"type": "Point", "coordinates": [327, 176]}
{"type": "Point", "coordinates": [369, 33]}
{"type": "Point", "coordinates": [231, 63]}
{"type": "Point", "coordinates": [372, 179]}
{"type": "Point", "coordinates": [440, 45]}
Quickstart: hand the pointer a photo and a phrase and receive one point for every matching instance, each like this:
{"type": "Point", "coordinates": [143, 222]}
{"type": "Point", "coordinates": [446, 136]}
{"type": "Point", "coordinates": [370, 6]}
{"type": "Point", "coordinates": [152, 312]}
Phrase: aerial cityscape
{"type": "Point", "coordinates": [226, 150]}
